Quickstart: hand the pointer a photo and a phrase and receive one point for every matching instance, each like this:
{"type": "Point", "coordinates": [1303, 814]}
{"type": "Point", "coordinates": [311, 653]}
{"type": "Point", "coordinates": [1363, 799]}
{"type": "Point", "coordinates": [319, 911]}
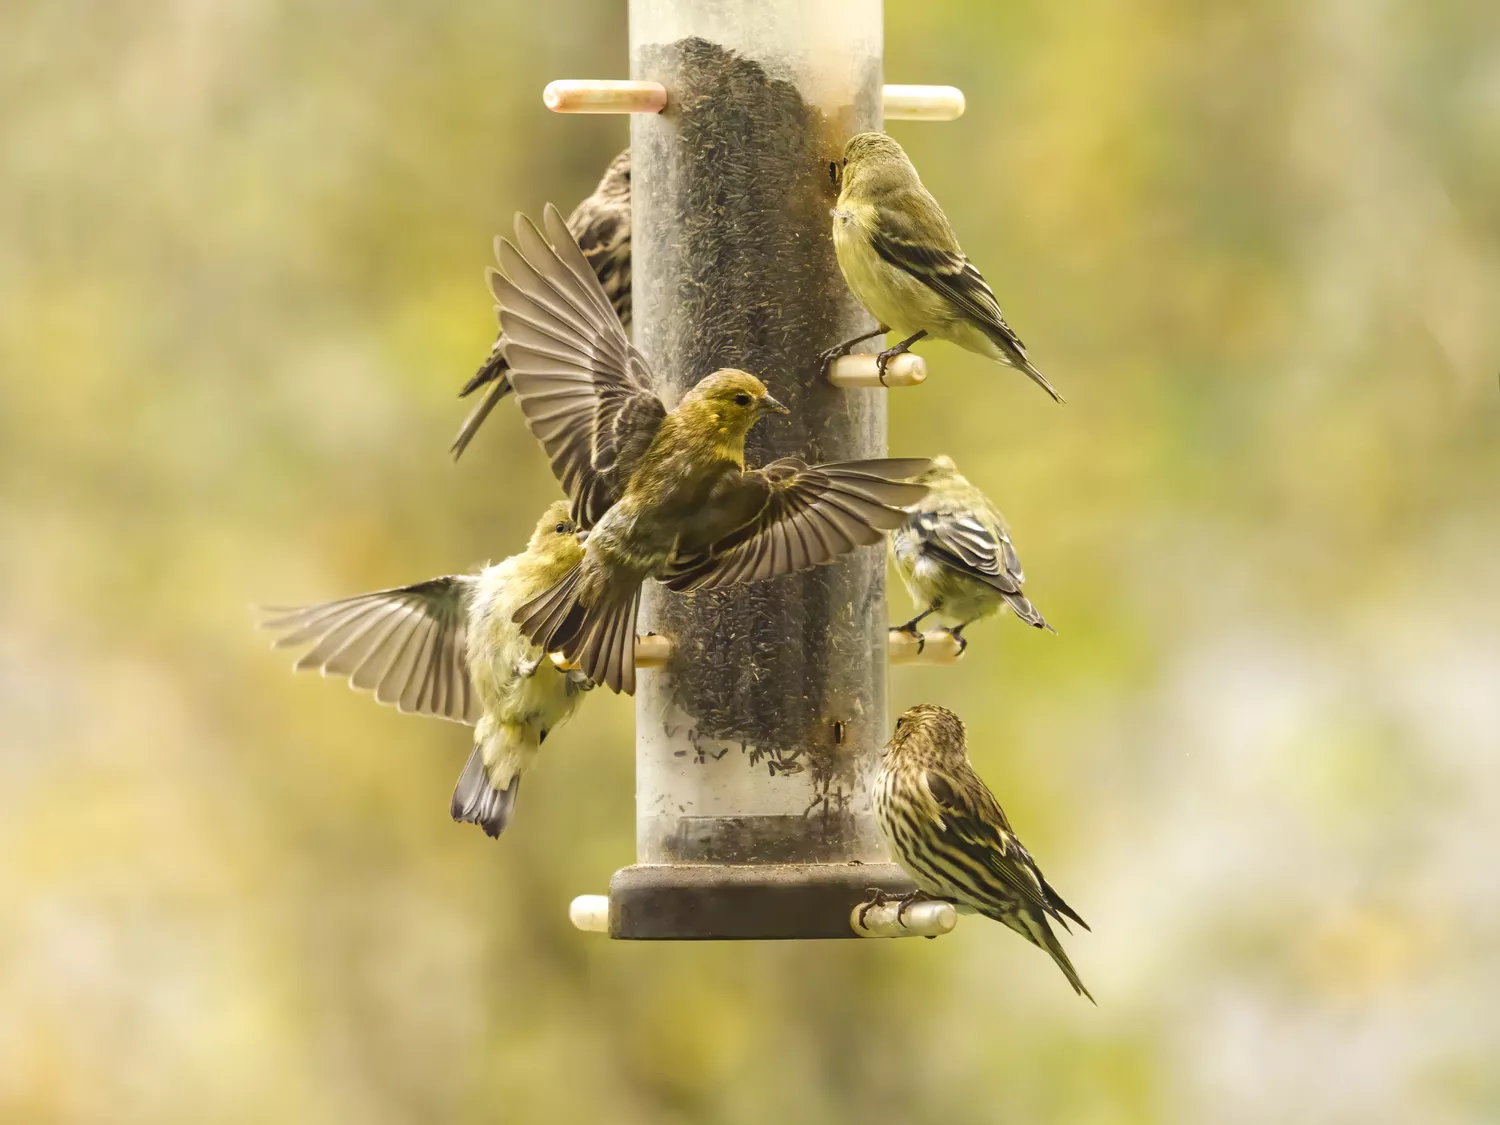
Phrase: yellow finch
{"type": "Point", "coordinates": [948, 832]}
{"type": "Point", "coordinates": [955, 556]}
{"type": "Point", "coordinates": [662, 494]}
{"type": "Point", "coordinates": [448, 647]}
{"type": "Point", "coordinates": [601, 223]}
{"type": "Point", "coordinates": [900, 257]}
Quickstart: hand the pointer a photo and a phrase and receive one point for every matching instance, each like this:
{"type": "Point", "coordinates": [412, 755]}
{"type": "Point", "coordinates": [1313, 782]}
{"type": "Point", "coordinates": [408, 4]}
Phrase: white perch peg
{"type": "Point", "coordinates": [600, 95]}
{"type": "Point", "coordinates": [920, 919]}
{"type": "Point", "coordinates": [905, 370]}
{"type": "Point", "coordinates": [590, 913]}
{"type": "Point", "coordinates": [651, 651]}
{"type": "Point", "coordinates": [934, 648]}
{"type": "Point", "coordinates": [587, 95]}
{"type": "Point", "coordinates": [923, 103]}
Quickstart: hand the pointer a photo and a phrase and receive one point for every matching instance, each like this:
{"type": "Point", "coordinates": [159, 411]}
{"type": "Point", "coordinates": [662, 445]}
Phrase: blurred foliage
{"type": "Point", "coordinates": [1258, 248]}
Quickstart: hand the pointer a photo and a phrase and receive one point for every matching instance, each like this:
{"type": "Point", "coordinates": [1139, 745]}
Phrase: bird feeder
{"type": "Point", "coordinates": [761, 708]}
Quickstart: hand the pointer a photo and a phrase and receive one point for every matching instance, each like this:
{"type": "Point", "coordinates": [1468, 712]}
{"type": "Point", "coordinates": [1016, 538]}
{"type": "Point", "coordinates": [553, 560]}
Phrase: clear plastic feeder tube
{"type": "Point", "coordinates": [756, 743]}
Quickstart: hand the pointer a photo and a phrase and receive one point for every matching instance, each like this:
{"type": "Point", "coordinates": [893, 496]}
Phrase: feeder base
{"type": "Point", "coordinates": [751, 902]}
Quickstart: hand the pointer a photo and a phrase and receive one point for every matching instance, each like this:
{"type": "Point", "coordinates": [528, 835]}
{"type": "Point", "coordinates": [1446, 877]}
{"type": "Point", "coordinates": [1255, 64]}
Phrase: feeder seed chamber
{"type": "Point", "coordinates": [761, 713]}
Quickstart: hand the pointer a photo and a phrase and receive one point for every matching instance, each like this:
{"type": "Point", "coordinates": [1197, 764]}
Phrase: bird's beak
{"type": "Point", "coordinates": [769, 405]}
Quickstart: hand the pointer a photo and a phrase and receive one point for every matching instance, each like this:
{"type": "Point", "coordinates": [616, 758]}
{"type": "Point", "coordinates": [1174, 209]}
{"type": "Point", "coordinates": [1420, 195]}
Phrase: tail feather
{"type": "Point", "coordinates": [492, 374]}
{"type": "Point", "coordinates": [1005, 340]}
{"type": "Point", "coordinates": [1032, 925]}
{"type": "Point", "coordinates": [1026, 611]}
{"type": "Point", "coordinates": [606, 642]}
{"type": "Point", "coordinates": [477, 801]}
{"type": "Point", "coordinates": [1055, 901]}
{"type": "Point", "coordinates": [599, 637]}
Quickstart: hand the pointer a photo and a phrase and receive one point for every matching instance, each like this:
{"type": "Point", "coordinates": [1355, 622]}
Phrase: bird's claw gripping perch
{"type": "Point", "coordinates": [883, 359]}
{"type": "Point", "coordinates": [828, 355]}
{"type": "Point", "coordinates": [908, 900]}
{"type": "Point", "coordinates": [878, 897]}
{"type": "Point", "coordinates": [910, 630]}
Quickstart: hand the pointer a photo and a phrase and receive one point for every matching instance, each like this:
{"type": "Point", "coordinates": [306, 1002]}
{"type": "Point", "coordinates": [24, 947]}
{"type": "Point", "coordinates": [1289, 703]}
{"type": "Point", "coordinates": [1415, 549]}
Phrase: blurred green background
{"type": "Point", "coordinates": [1258, 248]}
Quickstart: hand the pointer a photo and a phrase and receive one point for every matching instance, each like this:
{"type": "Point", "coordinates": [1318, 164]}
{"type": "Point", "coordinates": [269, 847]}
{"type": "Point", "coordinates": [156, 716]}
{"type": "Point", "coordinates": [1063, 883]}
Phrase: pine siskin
{"type": "Point", "coordinates": [955, 556]}
{"type": "Point", "coordinates": [900, 257]}
{"type": "Point", "coordinates": [448, 647]}
{"type": "Point", "coordinates": [948, 832]}
{"type": "Point", "coordinates": [662, 494]}
{"type": "Point", "coordinates": [601, 224]}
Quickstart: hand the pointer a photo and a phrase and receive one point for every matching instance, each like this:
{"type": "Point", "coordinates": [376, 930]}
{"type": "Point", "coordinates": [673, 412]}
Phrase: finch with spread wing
{"type": "Point", "coordinates": [448, 647]}
{"type": "Point", "coordinates": [948, 832]}
{"type": "Point", "coordinates": [955, 556]}
{"type": "Point", "coordinates": [601, 223]}
{"type": "Point", "coordinates": [661, 494]}
{"type": "Point", "coordinates": [902, 260]}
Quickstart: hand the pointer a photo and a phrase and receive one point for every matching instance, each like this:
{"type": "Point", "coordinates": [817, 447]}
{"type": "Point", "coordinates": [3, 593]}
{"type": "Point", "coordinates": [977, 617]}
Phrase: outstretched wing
{"type": "Point", "coordinates": [796, 516]}
{"type": "Point", "coordinates": [407, 645]}
{"type": "Point", "coordinates": [585, 392]}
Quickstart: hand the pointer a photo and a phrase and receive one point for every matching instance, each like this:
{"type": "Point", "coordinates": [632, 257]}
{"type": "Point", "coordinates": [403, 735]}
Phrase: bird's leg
{"type": "Point", "coordinates": [828, 356]}
{"type": "Point", "coordinates": [958, 635]}
{"type": "Point", "coordinates": [890, 353]}
{"type": "Point", "coordinates": [878, 897]}
{"type": "Point", "coordinates": [910, 628]}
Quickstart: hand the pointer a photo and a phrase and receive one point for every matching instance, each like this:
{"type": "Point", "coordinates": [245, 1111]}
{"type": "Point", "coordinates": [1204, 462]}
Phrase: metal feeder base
{"type": "Point", "coordinates": [760, 902]}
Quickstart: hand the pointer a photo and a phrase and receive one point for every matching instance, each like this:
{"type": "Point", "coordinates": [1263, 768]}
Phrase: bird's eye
{"type": "Point", "coordinates": [742, 399]}
{"type": "Point", "coordinates": [560, 528]}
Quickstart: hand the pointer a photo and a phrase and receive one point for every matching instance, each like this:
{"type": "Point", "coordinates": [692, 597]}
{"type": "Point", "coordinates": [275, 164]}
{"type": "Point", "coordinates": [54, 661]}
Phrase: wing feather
{"type": "Point", "coordinates": [803, 516]}
{"type": "Point", "coordinates": [407, 644]}
{"type": "Point", "coordinates": [585, 392]}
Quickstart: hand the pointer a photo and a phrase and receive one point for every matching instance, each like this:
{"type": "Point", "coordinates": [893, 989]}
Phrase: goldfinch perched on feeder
{"type": "Point", "coordinates": [661, 494]}
{"type": "Point", "coordinates": [955, 556]}
{"type": "Point", "coordinates": [947, 831]}
{"type": "Point", "coordinates": [902, 260]}
{"type": "Point", "coordinates": [601, 224]}
{"type": "Point", "coordinates": [448, 647]}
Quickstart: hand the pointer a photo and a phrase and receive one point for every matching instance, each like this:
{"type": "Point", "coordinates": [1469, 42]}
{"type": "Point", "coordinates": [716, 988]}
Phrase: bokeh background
{"type": "Point", "coordinates": [1258, 247]}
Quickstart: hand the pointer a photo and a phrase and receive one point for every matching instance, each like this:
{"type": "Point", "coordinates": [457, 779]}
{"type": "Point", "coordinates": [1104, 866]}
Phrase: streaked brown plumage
{"type": "Point", "coordinates": [948, 832]}
{"type": "Point", "coordinates": [601, 224]}
{"type": "Point", "coordinates": [663, 494]}
{"type": "Point", "coordinates": [448, 647]}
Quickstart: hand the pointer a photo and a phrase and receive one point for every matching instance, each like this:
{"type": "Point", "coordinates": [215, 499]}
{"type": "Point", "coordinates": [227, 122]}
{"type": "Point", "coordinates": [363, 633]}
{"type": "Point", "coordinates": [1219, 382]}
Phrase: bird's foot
{"type": "Point", "coordinates": [963, 641]}
{"type": "Point", "coordinates": [882, 359]}
{"type": "Point", "coordinates": [907, 901]}
{"type": "Point", "coordinates": [913, 630]}
{"type": "Point", "coordinates": [878, 897]}
{"type": "Point", "coordinates": [828, 355]}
